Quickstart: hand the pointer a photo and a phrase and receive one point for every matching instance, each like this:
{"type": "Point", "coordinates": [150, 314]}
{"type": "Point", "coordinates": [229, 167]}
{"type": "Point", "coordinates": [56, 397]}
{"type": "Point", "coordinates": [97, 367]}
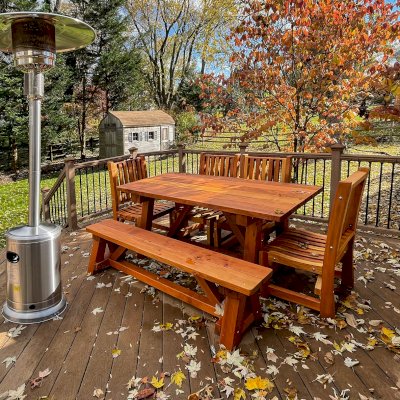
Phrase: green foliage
{"type": "Point", "coordinates": [19, 5]}
{"type": "Point", "coordinates": [13, 110]}
{"type": "Point", "coordinates": [187, 126]}
{"type": "Point", "coordinates": [57, 124]}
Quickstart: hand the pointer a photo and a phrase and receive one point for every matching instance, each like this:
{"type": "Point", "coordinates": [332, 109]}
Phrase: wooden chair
{"type": "Point", "coordinates": [320, 254]}
{"type": "Point", "coordinates": [276, 169]}
{"type": "Point", "coordinates": [124, 205]}
{"type": "Point", "coordinates": [219, 165]}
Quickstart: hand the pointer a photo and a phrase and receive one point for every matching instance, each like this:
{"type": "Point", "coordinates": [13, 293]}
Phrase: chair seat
{"type": "Point", "coordinates": [298, 248]}
{"type": "Point", "coordinates": [134, 211]}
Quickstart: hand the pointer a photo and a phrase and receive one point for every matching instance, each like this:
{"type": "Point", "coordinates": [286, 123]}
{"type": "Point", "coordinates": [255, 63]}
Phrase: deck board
{"type": "Point", "coordinates": [78, 350]}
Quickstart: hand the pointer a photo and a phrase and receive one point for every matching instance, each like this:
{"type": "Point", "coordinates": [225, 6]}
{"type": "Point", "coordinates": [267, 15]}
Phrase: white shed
{"type": "Point", "coordinates": [146, 130]}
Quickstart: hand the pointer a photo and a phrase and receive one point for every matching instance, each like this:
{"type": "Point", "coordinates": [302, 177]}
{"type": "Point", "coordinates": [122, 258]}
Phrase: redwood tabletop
{"type": "Point", "coordinates": [273, 201]}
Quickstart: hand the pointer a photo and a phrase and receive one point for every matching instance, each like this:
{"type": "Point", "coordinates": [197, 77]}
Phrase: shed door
{"type": "Point", "coordinates": [111, 148]}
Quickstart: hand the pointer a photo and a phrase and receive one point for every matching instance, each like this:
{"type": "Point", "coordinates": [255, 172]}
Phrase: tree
{"type": "Point", "coordinates": [174, 35]}
{"type": "Point", "coordinates": [13, 104]}
{"type": "Point", "coordinates": [13, 110]}
{"type": "Point", "coordinates": [300, 67]}
{"type": "Point", "coordinates": [106, 72]}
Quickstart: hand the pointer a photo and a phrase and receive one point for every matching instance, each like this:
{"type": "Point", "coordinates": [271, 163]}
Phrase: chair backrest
{"type": "Point", "coordinates": [219, 165]}
{"type": "Point", "coordinates": [122, 172]}
{"type": "Point", "coordinates": [276, 169]}
{"type": "Point", "coordinates": [344, 214]}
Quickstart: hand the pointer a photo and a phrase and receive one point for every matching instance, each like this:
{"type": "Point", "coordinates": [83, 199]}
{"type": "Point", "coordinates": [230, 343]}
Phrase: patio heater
{"type": "Point", "coordinates": [33, 251]}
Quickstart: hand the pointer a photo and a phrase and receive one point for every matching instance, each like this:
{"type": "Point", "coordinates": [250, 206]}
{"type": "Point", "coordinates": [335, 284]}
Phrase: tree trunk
{"type": "Point", "coordinates": [14, 156]}
{"type": "Point", "coordinates": [203, 66]}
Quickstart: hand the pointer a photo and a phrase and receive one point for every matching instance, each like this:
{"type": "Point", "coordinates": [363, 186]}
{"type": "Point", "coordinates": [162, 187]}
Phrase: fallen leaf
{"type": "Point", "coordinates": [177, 378]}
{"type": "Point", "coordinates": [258, 383]}
{"type": "Point", "coordinates": [16, 331]}
{"type": "Point", "coordinates": [375, 322]}
{"type": "Point", "coordinates": [328, 357]}
{"type": "Point", "coordinates": [97, 310]}
{"type": "Point", "coordinates": [348, 362]}
{"type": "Point", "coordinates": [98, 393]}
{"type": "Point", "coordinates": [9, 361]}
{"type": "Point", "coordinates": [145, 393]}
{"type": "Point", "coordinates": [17, 394]}
{"type": "Point", "coordinates": [157, 383]}
{"type": "Point", "coordinates": [350, 319]}
{"type": "Point", "coordinates": [116, 353]}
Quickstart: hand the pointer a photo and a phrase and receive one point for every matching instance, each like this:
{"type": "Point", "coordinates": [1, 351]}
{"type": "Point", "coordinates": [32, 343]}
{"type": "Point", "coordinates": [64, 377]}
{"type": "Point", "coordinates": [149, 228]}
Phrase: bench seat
{"type": "Point", "coordinates": [222, 278]}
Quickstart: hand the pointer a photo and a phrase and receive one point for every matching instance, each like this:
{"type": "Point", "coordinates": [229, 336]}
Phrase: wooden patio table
{"type": "Point", "coordinates": [245, 203]}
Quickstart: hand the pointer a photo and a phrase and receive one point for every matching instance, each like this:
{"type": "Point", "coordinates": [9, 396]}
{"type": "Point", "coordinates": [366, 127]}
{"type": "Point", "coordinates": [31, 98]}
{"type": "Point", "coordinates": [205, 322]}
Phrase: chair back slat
{"type": "Point", "coordinates": [219, 165]}
{"type": "Point", "coordinates": [344, 214]}
{"type": "Point", "coordinates": [275, 169]}
{"type": "Point", "coordinates": [122, 172]}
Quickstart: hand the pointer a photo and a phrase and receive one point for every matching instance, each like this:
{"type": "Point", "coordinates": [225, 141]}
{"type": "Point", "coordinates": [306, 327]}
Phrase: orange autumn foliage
{"type": "Point", "coordinates": [300, 68]}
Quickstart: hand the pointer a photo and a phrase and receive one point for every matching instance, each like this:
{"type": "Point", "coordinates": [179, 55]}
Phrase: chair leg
{"type": "Point", "coordinates": [327, 302]}
{"type": "Point", "coordinates": [217, 235]}
{"type": "Point", "coordinates": [348, 268]}
{"type": "Point", "coordinates": [210, 232]}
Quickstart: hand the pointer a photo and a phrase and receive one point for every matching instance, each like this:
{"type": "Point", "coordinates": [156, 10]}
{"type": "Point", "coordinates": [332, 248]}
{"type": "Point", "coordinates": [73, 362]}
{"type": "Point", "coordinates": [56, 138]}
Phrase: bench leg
{"type": "Point", "coordinates": [231, 325]}
{"type": "Point", "coordinates": [97, 255]}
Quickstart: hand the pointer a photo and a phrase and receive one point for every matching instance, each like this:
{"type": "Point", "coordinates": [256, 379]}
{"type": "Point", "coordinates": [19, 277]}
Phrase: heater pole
{"type": "Point", "coordinates": [34, 90]}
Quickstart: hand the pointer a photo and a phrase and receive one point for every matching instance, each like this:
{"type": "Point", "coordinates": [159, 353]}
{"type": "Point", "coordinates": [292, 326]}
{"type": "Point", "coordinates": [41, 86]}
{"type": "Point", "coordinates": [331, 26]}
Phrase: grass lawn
{"type": "Point", "coordinates": [14, 204]}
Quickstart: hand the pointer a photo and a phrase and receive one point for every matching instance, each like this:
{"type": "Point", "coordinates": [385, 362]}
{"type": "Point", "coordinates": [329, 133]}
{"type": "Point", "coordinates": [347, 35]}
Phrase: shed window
{"type": "Point", "coordinates": [132, 136]}
{"type": "Point", "coordinates": [152, 135]}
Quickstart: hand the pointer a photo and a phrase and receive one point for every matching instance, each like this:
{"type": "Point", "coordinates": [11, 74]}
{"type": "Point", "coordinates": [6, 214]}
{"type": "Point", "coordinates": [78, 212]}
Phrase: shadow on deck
{"type": "Point", "coordinates": [115, 329]}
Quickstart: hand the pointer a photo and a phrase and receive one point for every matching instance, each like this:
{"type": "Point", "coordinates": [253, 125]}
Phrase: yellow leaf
{"type": "Point", "coordinates": [194, 318]}
{"type": "Point", "coordinates": [239, 394]}
{"type": "Point", "coordinates": [258, 383]}
{"type": "Point", "coordinates": [116, 353]}
{"type": "Point", "coordinates": [177, 378]}
{"type": "Point", "coordinates": [387, 335]}
{"type": "Point", "coordinates": [157, 383]}
{"type": "Point", "coordinates": [337, 347]}
{"type": "Point", "coordinates": [372, 342]}
{"type": "Point", "coordinates": [167, 326]}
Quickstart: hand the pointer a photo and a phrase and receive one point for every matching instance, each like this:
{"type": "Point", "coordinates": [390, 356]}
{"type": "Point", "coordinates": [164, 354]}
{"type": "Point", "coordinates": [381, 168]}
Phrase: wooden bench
{"type": "Point", "coordinates": [223, 279]}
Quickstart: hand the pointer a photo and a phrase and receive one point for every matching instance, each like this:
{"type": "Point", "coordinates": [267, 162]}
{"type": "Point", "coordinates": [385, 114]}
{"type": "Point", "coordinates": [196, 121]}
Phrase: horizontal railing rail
{"type": "Point", "coordinates": [82, 190]}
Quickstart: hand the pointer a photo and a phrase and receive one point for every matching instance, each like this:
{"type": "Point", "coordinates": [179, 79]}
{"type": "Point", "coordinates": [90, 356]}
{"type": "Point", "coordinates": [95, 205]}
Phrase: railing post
{"type": "Point", "coordinates": [71, 195]}
{"type": "Point", "coordinates": [133, 151]}
{"type": "Point", "coordinates": [45, 205]}
{"type": "Point", "coordinates": [243, 148]}
{"type": "Point", "coordinates": [336, 169]}
{"type": "Point", "coordinates": [181, 158]}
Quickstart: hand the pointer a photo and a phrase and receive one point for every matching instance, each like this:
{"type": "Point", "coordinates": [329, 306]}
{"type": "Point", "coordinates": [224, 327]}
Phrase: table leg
{"type": "Point", "coordinates": [146, 219]}
{"type": "Point", "coordinates": [252, 242]}
{"type": "Point", "coordinates": [282, 226]}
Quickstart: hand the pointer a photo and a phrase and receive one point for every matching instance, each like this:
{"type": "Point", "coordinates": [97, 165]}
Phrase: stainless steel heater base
{"type": "Point", "coordinates": [34, 292]}
{"type": "Point", "coordinates": [33, 317]}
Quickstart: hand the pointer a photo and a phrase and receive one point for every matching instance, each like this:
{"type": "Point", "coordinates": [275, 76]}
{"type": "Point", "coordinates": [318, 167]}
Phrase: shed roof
{"type": "Point", "coordinates": [143, 118]}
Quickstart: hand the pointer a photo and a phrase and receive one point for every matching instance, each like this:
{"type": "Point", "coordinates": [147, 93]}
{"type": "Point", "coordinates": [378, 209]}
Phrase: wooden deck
{"type": "Point", "coordinates": [78, 348]}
